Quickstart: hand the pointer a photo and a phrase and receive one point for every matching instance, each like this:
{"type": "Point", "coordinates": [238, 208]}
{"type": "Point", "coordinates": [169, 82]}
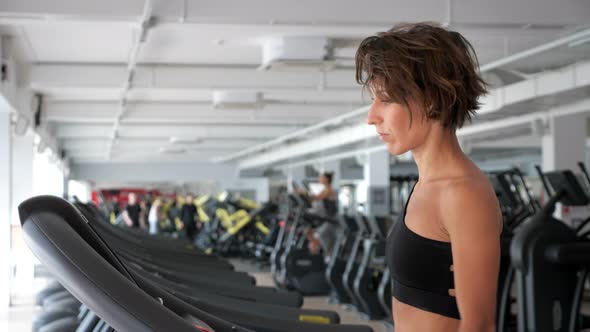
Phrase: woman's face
{"type": "Point", "coordinates": [395, 127]}
{"type": "Point", "coordinates": [324, 180]}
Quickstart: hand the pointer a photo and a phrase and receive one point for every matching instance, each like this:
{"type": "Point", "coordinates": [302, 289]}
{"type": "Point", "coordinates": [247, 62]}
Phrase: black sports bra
{"type": "Point", "coordinates": [420, 270]}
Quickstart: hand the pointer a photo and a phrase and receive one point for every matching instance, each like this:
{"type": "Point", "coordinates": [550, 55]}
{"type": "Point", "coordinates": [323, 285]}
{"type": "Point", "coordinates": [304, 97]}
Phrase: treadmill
{"type": "Point", "coordinates": [70, 247]}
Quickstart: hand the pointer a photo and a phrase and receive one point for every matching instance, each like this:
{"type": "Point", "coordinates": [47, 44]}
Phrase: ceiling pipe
{"type": "Point", "coordinates": [146, 22]}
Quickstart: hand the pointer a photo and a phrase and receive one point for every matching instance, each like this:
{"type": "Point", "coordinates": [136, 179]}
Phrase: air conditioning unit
{"type": "Point", "coordinates": [8, 70]}
{"type": "Point", "coordinates": [237, 100]}
{"type": "Point", "coordinates": [297, 54]}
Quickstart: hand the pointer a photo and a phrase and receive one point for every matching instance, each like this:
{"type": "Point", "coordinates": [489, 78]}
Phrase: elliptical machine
{"type": "Point", "coordinates": [292, 213]}
{"type": "Point", "coordinates": [338, 262]}
{"type": "Point", "coordinates": [517, 205]}
{"type": "Point", "coordinates": [298, 268]}
{"type": "Point", "coordinates": [354, 260]}
{"type": "Point", "coordinates": [551, 262]}
{"type": "Point", "coordinates": [371, 268]}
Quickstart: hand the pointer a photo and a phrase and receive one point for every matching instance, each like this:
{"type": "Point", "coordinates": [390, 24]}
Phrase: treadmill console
{"type": "Point", "coordinates": [565, 181]}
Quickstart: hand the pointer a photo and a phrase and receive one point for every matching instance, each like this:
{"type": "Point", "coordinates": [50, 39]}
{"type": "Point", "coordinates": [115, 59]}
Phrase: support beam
{"type": "Point", "coordinates": [187, 113]}
{"type": "Point", "coordinates": [364, 132]}
{"type": "Point", "coordinates": [548, 92]}
{"type": "Point", "coordinates": [543, 12]}
{"type": "Point", "coordinates": [537, 50]}
{"type": "Point", "coordinates": [167, 131]}
{"type": "Point", "coordinates": [339, 156]}
{"type": "Point", "coordinates": [188, 157]}
{"type": "Point", "coordinates": [155, 151]}
{"type": "Point", "coordinates": [317, 143]}
{"type": "Point", "coordinates": [76, 144]}
{"type": "Point", "coordinates": [47, 76]}
{"type": "Point", "coordinates": [150, 172]}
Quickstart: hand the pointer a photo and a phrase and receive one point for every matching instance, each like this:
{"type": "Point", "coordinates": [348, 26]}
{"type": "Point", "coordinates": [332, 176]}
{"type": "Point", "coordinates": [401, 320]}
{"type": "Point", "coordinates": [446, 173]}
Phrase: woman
{"type": "Point", "coordinates": [444, 252]}
{"type": "Point", "coordinates": [324, 205]}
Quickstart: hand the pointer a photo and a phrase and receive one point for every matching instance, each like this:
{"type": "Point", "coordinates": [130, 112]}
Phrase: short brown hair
{"type": "Point", "coordinates": [426, 63]}
{"type": "Point", "coordinates": [329, 176]}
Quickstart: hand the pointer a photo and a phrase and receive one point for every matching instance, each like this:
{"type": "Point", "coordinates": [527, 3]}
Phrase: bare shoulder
{"type": "Point", "coordinates": [475, 189]}
{"type": "Point", "coordinates": [473, 199]}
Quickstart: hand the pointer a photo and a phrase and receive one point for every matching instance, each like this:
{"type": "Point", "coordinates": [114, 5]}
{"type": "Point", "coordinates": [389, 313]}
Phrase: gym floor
{"type": "Point", "coordinates": [18, 318]}
{"type": "Point", "coordinates": [263, 278]}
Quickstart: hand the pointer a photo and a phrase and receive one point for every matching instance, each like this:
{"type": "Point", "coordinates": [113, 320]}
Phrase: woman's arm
{"type": "Point", "coordinates": [471, 216]}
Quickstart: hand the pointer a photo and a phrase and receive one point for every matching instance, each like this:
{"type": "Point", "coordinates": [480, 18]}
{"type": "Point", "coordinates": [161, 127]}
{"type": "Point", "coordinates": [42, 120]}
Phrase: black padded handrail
{"type": "Point", "coordinates": [571, 253]}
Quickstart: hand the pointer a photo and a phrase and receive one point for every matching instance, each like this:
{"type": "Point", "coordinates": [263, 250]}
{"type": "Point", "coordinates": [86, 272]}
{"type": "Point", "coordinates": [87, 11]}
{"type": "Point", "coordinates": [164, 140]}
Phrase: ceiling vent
{"type": "Point", "coordinates": [237, 100]}
{"type": "Point", "coordinates": [185, 140]}
{"type": "Point", "coordinates": [172, 150]}
{"type": "Point", "coordinates": [297, 54]}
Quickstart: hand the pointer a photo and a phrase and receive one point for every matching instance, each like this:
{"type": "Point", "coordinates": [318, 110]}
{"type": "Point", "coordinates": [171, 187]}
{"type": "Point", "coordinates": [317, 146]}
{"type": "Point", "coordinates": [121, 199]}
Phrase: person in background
{"type": "Point", "coordinates": [148, 200]}
{"type": "Point", "coordinates": [171, 210]}
{"type": "Point", "coordinates": [115, 206]}
{"type": "Point", "coordinates": [168, 213]}
{"type": "Point", "coordinates": [143, 214]}
{"type": "Point", "coordinates": [188, 216]}
{"type": "Point", "coordinates": [324, 205]}
{"type": "Point", "coordinates": [114, 210]}
{"type": "Point", "coordinates": [132, 213]}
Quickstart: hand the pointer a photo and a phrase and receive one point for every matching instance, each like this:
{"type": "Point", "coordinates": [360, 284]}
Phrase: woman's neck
{"type": "Point", "coordinates": [439, 156]}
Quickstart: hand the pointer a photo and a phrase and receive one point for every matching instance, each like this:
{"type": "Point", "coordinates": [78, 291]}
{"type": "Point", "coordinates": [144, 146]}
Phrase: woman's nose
{"type": "Point", "coordinates": [373, 116]}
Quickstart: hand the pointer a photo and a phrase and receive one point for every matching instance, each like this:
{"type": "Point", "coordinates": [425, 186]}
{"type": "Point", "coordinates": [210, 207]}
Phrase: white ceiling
{"type": "Point", "coordinates": [78, 58]}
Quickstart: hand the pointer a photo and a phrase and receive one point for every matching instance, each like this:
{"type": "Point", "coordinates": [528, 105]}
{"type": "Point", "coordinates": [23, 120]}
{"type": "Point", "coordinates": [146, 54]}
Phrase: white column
{"type": "Point", "coordinates": [376, 175]}
{"type": "Point", "coordinates": [5, 205]}
{"type": "Point", "coordinates": [22, 261]}
{"type": "Point", "coordinates": [22, 172]}
{"type": "Point", "coordinates": [565, 143]}
{"type": "Point", "coordinates": [563, 146]}
{"type": "Point", "coordinates": [66, 186]}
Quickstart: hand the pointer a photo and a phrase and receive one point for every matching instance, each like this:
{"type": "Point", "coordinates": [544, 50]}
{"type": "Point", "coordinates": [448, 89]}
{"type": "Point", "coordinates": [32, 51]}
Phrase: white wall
{"type": "Point", "coordinates": [260, 185]}
{"type": "Point", "coordinates": [48, 178]}
{"type": "Point", "coordinates": [22, 173]}
{"type": "Point", "coordinates": [193, 177]}
{"type": "Point", "coordinates": [5, 205]}
{"type": "Point", "coordinates": [80, 189]}
{"type": "Point", "coordinates": [152, 172]}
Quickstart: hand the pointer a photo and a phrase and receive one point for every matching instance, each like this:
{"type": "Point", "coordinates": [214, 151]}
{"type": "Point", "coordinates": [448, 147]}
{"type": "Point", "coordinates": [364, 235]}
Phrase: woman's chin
{"type": "Point", "coordinates": [395, 149]}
